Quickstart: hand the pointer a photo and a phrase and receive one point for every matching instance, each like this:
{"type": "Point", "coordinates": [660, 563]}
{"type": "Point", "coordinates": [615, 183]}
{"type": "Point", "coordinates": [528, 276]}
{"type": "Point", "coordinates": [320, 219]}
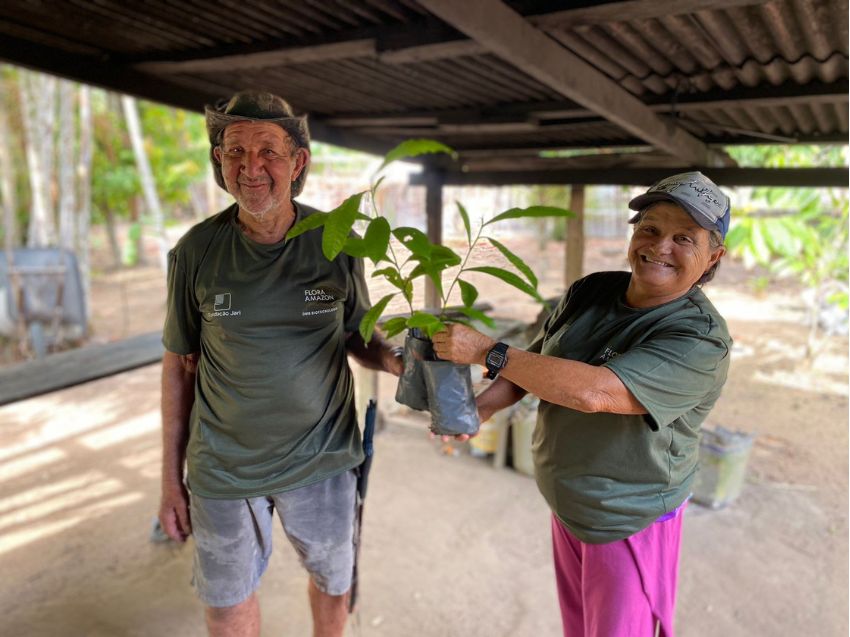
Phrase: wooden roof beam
{"type": "Point", "coordinates": [507, 34]}
{"type": "Point", "coordinates": [813, 93]}
{"type": "Point", "coordinates": [113, 77]}
{"type": "Point", "coordinates": [263, 59]}
{"type": "Point", "coordinates": [568, 18]}
{"type": "Point", "coordinates": [785, 177]}
{"type": "Point", "coordinates": [633, 10]}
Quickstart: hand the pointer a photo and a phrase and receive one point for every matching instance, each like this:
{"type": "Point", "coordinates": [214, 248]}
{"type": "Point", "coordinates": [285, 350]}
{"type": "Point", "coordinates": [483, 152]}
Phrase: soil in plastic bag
{"type": "Point", "coordinates": [411, 389]}
{"type": "Point", "coordinates": [451, 398]}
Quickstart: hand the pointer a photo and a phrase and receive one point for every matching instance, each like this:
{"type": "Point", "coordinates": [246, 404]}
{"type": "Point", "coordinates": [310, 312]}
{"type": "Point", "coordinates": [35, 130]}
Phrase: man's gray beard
{"type": "Point", "coordinates": [257, 216]}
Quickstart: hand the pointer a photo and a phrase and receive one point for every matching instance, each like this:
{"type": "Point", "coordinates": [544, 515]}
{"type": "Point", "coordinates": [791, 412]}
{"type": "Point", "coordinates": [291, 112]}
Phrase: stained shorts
{"type": "Point", "coordinates": [233, 538]}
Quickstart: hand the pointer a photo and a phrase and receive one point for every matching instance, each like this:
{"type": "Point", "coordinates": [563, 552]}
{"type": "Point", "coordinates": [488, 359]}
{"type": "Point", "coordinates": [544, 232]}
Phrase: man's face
{"type": "Point", "coordinates": [259, 163]}
{"type": "Point", "coordinates": [669, 252]}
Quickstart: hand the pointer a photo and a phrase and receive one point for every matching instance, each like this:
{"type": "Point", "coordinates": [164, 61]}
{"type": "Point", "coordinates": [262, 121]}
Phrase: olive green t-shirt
{"type": "Point", "coordinates": [273, 403]}
{"type": "Point", "coordinates": [607, 476]}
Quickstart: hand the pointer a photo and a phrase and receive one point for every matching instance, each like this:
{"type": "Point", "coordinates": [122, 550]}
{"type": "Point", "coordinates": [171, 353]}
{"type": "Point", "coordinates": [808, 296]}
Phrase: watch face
{"type": "Point", "coordinates": [495, 358]}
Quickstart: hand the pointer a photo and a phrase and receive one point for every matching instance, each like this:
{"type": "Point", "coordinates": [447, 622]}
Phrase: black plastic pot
{"type": "Point", "coordinates": [441, 387]}
{"type": "Point", "coordinates": [411, 389]}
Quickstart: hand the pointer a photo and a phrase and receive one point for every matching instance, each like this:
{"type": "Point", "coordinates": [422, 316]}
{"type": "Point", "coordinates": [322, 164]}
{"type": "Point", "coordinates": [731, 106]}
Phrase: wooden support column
{"type": "Point", "coordinates": [434, 217]}
{"type": "Point", "coordinates": [574, 257]}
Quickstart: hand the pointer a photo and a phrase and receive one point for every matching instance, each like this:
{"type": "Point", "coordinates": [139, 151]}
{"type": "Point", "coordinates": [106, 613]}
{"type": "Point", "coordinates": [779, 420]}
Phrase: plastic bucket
{"type": "Point", "coordinates": [723, 456]}
{"type": "Point", "coordinates": [489, 434]}
{"type": "Point", "coordinates": [523, 421]}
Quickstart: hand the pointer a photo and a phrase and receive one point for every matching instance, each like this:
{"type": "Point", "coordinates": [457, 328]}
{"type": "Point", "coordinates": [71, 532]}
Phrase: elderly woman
{"type": "Point", "coordinates": [627, 368]}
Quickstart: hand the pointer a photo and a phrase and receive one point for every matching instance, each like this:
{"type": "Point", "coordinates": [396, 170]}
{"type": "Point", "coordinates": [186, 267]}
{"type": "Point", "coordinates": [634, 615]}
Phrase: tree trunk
{"type": "Point", "coordinates": [212, 192]}
{"type": "Point", "coordinates": [7, 188]}
{"type": "Point", "coordinates": [84, 163]}
{"type": "Point", "coordinates": [65, 159]}
{"type": "Point", "coordinates": [36, 107]}
{"type": "Point", "coordinates": [112, 235]}
{"type": "Point", "coordinates": [134, 246]}
{"type": "Point", "coordinates": [146, 176]}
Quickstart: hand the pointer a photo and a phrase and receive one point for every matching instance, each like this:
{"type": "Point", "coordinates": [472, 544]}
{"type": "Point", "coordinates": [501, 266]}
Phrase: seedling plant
{"type": "Point", "coordinates": [421, 258]}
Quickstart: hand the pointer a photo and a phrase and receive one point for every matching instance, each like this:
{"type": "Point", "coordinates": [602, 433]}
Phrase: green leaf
{"type": "Point", "coordinates": [394, 326]}
{"type": "Point", "coordinates": [370, 319]}
{"type": "Point", "coordinates": [338, 226]}
{"type": "Point", "coordinates": [393, 276]}
{"type": "Point", "coordinates": [758, 245]}
{"type": "Point", "coordinates": [737, 236]}
{"type": "Point", "coordinates": [465, 218]}
{"type": "Point", "coordinates": [421, 319]}
{"type": "Point", "coordinates": [414, 240]}
{"type": "Point", "coordinates": [429, 323]}
{"type": "Point", "coordinates": [468, 293]}
{"type": "Point", "coordinates": [533, 211]}
{"type": "Point", "coordinates": [783, 238]}
{"type": "Point", "coordinates": [477, 315]}
{"type": "Point", "coordinates": [461, 321]}
{"type": "Point", "coordinates": [443, 257]}
{"type": "Point", "coordinates": [518, 263]}
{"type": "Point", "coordinates": [407, 290]}
{"type": "Point", "coordinates": [435, 274]}
{"type": "Point", "coordinates": [373, 244]}
{"type": "Point", "coordinates": [414, 148]}
{"type": "Point", "coordinates": [315, 220]}
{"type": "Point", "coordinates": [510, 278]}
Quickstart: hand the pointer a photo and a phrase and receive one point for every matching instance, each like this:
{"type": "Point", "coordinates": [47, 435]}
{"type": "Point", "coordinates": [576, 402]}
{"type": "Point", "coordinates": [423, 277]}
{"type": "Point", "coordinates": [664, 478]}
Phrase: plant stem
{"type": "Point", "coordinates": [394, 260]}
{"type": "Point", "coordinates": [460, 271]}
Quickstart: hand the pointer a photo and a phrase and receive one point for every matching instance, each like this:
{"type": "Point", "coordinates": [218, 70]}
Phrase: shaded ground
{"type": "Point", "coordinates": [452, 546]}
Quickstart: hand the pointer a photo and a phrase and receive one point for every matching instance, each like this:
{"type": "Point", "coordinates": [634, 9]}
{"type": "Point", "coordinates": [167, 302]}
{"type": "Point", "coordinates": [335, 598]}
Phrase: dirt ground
{"type": "Point", "coordinates": [452, 546]}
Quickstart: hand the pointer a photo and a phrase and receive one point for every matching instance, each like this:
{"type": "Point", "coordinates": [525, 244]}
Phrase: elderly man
{"type": "Point", "coordinates": [257, 395]}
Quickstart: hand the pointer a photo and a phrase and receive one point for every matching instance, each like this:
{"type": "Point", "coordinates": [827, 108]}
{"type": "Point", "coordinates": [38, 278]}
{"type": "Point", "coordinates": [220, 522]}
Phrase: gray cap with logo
{"type": "Point", "coordinates": [695, 193]}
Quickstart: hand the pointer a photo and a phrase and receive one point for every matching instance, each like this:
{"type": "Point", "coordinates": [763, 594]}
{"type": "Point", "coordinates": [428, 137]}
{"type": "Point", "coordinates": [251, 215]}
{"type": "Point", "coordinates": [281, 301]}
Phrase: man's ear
{"type": "Point", "coordinates": [217, 153]}
{"type": "Point", "coordinates": [302, 156]}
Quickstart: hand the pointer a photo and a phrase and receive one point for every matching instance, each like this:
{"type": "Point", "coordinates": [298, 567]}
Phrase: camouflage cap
{"type": "Point", "coordinates": [256, 106]}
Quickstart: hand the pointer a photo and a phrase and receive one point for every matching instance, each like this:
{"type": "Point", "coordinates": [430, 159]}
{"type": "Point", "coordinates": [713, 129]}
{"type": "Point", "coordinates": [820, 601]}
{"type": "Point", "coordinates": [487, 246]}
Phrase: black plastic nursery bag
{"type": "Point", "coordinates": [411, 389]}
{"type": "Point", "coordinates": [451, 398]}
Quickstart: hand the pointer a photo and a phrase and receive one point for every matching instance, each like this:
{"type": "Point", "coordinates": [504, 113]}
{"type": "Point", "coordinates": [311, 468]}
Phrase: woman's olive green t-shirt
{"type": "Point", "coordinates": [607, 476]}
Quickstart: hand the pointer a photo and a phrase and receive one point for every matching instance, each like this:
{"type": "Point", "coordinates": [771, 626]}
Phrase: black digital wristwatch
{"type": "Point", "coordinates": [496, 360]}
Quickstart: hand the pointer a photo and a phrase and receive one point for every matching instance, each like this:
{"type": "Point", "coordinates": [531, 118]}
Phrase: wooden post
{"type": "Point", "coordinates": [574, 258]}
{"type": "Point", "coordinates": [434, 218]}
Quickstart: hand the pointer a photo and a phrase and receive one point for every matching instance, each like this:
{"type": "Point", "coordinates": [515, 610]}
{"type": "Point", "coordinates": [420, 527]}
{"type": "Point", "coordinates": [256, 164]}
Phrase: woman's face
{"type": "Point", "coordinates": [668, 253]}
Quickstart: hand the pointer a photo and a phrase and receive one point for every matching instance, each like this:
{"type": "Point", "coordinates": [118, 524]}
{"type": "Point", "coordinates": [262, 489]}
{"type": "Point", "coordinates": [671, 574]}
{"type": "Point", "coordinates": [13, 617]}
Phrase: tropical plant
{"type": "Point", "coordinates": [420, 257]}
{"type": "Point", "coordinates": [802, 234]}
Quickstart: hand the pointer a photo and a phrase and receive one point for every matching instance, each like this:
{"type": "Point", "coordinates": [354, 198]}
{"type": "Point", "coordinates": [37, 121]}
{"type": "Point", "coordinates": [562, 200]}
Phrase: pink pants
{"type": "Point", "coordinates": [621, 589]}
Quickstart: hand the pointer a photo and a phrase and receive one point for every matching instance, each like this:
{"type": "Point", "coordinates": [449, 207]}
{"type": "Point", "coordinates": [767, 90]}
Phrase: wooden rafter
{"type": "Point", "coordinates": [507, 34]}
{"type": "Point", "coordinates": [265, 59]}
{"type": "Point", "coordinates": [786, 177]}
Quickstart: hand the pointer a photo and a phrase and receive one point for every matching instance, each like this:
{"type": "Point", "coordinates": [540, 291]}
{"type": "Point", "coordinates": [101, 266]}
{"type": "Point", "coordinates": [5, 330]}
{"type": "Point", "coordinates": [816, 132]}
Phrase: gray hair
{"type": "Point", "coordinates": [715, 241]}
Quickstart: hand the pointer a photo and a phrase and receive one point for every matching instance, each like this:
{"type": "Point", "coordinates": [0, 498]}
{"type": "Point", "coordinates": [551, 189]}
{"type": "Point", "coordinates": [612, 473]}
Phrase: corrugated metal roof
{"type": "Point", "coordinates": [372, 72]}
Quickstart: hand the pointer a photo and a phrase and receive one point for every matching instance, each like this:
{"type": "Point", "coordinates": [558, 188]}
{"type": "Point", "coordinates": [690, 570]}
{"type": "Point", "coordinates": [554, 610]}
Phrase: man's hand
{"type": "Point", "coordinates": [462, 344]}
{"type": "Point", "coordinates": [394, 361]}
{"type": "Point", "coordinates": [174, 513]}
{"type": "Point", "coordinates": [378, 354]}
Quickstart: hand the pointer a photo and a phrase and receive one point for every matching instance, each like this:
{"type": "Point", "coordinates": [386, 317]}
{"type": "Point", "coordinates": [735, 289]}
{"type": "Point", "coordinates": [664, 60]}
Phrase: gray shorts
{"type": "Point", "coordinates": [233, 538]}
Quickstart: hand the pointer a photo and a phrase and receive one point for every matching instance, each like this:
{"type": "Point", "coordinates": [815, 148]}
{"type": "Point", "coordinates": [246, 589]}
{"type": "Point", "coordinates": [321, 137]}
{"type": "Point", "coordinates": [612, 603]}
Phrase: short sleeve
{"type": "Point", "coordinates": [357, 302]}
{"type": "Point", "coordinates": [182, 331]}
{"type": "Point", "coordinates": [676, 370]}
{"type": "Point", "coordinates": [556, 318]}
